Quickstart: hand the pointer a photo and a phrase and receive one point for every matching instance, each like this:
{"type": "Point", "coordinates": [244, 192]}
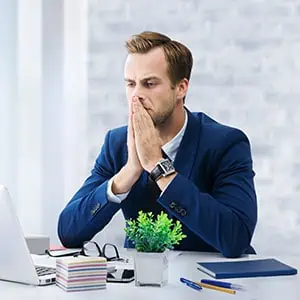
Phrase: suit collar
{"type": "Point", "coordinates": [186, 155]}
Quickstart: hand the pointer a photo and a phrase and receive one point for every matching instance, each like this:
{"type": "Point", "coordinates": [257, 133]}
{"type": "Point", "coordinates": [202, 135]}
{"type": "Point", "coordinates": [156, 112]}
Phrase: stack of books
{"type": "Point", "coordinates": [81, 273]}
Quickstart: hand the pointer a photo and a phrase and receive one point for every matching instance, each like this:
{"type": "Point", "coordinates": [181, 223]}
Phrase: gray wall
{"type": "Point", "coordinates": [246, 74]}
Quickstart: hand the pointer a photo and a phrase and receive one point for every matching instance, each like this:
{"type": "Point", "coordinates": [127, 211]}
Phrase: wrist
{"type": "Point", "coordinates": [132, 173]}
{"type": "Point", "coordinates": [124, 180]}
{"type": "Point", "coordinates": [164, 181]}
{"type": "Point", "coordinates": [152, 164]}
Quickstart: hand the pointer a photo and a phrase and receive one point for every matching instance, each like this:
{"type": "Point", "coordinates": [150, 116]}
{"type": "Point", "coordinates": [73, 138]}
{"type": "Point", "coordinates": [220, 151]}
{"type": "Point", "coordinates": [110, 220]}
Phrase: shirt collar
{"type": "Point", "coordinates": [172, 146]}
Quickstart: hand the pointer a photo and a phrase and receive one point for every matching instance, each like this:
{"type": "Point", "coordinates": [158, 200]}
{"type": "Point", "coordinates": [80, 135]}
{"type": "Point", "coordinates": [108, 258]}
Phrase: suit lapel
{"type": "Point", "coordinates": [188, 148]}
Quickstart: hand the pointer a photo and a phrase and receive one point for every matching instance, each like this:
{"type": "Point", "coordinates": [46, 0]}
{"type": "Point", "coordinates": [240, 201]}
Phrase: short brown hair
{"type": "Point", "coordinates": [178, 56]}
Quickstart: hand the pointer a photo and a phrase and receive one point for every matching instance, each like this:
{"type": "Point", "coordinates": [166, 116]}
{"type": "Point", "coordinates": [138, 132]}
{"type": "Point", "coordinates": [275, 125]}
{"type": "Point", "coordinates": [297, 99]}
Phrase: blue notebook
{"type": "Point", "coordinates": [246, 268]}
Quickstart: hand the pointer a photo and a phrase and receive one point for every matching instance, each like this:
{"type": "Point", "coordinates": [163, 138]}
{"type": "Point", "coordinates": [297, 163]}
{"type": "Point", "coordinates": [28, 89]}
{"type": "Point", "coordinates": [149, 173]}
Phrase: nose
{"type": "Point", "coordinates": [138, 92]}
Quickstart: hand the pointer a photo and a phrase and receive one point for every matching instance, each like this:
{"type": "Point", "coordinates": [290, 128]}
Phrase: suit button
{"type": "Point", "coordinates": [178, 209]}
{"type": "Point", "coordinates": [183, 212]}
{"type": "Point", "coordinates": [172, 205]}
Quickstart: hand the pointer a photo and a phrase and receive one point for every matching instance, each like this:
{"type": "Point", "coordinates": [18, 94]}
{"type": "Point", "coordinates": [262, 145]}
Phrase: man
{"type": "Point", "coordinates": [201, 169]}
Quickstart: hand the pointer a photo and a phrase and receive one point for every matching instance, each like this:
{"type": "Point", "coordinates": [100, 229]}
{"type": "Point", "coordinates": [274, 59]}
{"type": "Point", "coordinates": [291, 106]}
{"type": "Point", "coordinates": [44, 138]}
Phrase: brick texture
{"type": "Point", "coordinates": [246, 74]}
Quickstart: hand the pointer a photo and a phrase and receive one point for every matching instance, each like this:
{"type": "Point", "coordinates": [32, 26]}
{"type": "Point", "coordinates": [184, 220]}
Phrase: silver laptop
{"type": "Point", "coordinates": [16, 263]}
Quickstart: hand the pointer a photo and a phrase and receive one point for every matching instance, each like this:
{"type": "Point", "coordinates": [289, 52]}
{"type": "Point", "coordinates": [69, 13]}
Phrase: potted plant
{"type": "Point", "coordinates": [152, 238]}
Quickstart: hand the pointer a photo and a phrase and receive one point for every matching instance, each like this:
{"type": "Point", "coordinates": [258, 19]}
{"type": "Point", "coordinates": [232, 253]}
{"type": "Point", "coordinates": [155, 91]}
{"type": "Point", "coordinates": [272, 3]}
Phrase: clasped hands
{"type": "Point", "coordinates": [144, 150]}
{"type": "Point", "coordinates": [143, 141]}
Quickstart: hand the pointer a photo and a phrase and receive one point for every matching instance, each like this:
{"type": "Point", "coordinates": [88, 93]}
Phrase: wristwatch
{"type": "Point", "coordinates": [163, 168]}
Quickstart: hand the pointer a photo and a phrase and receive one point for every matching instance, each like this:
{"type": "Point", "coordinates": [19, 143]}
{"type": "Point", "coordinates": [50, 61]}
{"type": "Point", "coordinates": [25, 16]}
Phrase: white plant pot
{"type": "Point", "coordinates": [151, 268]}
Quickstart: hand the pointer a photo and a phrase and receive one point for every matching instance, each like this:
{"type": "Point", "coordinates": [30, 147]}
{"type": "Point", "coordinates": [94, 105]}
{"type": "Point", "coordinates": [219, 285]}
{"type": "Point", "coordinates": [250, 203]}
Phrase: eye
{"type": "Point", "coordinates": [130, 84]}
{"type": "Point", "coordinates": [150, 84]}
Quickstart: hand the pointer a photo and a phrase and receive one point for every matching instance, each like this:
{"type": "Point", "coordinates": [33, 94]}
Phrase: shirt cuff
{"type": "Point", "coordinates": [111, 197]}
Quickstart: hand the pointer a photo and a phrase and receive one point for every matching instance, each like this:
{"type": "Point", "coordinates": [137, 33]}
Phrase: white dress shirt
{"type": "Point", "coordinates": [169, 148]}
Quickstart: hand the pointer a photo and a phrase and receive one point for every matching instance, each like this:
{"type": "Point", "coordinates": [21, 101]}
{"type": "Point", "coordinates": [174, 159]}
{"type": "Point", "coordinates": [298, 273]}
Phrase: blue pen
{"type": "Point", "coordinates": [223, 284]}
{"type": "Point", "coordinates": [191, 284]}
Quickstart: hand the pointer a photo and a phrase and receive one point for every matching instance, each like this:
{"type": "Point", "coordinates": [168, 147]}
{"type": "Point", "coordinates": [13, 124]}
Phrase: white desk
{"type": "Point", "coordinates": [184, 265]}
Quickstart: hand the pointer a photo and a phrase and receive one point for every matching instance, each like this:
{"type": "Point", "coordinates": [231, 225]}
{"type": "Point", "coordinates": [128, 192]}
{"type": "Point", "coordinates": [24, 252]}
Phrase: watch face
{"type": "Point", "coordinates": [163, 168]}
{"type": "Point", "coordinates": [167, 166]}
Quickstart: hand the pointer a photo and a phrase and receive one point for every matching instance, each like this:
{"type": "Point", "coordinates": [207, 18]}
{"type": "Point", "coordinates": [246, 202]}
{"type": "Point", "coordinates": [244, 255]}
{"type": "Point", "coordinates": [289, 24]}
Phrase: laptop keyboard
{"type": "Point", "coordinates": [41, 271]}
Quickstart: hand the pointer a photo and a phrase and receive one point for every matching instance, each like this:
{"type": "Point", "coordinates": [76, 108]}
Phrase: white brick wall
{"type": "Point", "coordinates": [246, 74]}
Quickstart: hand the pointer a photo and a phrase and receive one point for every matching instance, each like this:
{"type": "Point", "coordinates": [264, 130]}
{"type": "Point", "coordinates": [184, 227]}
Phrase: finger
{"type": "Point", "coordinates": [137, 123]}
{"type": "Point", "coordinates": [133, 110]}
{"type": "Point", "coordinates": [145, 118]}
{"type": "Point", "coordinates": [142, 119]}
{"type": "Point", "coordinates": [135, 105]}
{"type": "Point", "coordinates": [136, 111]}
{"type": "Point", "coordinates": [130, 103]}
{"type": "Point", "coordinates": [135, 117]}
{"type": "Point", "coordinates": [142, 110]}
{"type": "Point", "coordinates": [139, 109]}
{"type": "Point", "coordinates": [130, 129]}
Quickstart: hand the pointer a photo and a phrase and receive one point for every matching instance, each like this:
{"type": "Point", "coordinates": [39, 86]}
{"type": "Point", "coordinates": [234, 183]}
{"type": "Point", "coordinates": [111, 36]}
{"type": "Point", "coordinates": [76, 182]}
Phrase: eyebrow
{"type": "Point", "coordinates": [144, 79]}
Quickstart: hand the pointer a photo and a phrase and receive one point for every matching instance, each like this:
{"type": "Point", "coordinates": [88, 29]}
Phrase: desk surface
{"type": "Point", "coordinates": [182, 265]}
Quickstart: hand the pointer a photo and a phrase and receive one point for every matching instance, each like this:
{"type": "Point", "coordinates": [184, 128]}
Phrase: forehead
{"type": "Point", "coordinates": [141, 65]}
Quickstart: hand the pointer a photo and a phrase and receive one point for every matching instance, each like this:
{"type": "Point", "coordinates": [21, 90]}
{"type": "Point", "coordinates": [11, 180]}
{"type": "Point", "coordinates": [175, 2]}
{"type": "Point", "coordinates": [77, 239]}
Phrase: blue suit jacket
{"type": "Point", "coordinates": [213, 194]}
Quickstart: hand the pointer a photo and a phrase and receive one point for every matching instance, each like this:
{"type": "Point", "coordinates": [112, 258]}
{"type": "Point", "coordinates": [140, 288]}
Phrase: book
{"type": "Point", "coordinates": [246, 268]}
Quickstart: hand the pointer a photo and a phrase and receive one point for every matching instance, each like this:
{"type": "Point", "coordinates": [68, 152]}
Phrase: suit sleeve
{"type": "Point", "coordinates": [226, 217]}
{"type": "Point", "coordinates": [89, 210]}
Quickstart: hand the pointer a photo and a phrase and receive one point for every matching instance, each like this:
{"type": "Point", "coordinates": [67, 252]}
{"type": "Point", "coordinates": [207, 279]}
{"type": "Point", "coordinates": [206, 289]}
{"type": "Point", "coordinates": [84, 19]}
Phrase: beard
{"type": "Point", "coordinates": [161, 118]}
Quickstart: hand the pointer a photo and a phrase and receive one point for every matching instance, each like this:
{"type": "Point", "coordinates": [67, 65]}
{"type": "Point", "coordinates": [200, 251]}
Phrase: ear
{"type": "Point", "coordinates": [181, 88]}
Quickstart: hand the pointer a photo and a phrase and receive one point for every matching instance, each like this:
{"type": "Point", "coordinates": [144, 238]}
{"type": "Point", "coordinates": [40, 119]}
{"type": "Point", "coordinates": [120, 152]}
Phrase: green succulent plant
{"type": "Point", "coordinates": [150, 234]}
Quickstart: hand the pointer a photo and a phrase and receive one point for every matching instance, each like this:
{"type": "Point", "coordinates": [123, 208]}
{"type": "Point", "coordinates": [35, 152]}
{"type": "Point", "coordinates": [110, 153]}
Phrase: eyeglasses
{"type": "Point", "coordinates": [92, 249]}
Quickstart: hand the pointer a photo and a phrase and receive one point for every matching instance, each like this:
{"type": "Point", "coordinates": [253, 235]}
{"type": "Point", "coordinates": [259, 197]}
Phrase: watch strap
{"type": "Point", "coordinates": [156, 173]}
